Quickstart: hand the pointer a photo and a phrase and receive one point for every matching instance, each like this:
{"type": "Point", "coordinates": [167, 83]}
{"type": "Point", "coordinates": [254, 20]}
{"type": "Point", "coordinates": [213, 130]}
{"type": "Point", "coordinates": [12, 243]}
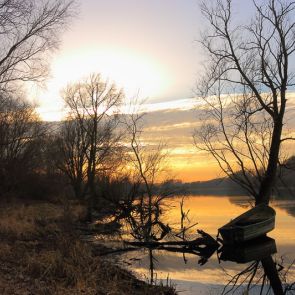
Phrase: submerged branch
{"type": "Point", "coordinates": [204, 240]}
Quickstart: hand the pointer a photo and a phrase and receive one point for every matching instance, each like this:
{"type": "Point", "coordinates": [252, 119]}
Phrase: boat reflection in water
{"type": "Point", "coordinates": [261, 274]}
{"type": "Point", "coordinates": [242, 267]}
{"type": "Point", "coordinates": [263, 271]}
{"type": "Point", "coordinates": [252, 250]}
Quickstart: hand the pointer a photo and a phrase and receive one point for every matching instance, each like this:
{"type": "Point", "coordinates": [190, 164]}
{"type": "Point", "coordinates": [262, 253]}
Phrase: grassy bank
{"type": "Point", "coordinates": [41, 253]}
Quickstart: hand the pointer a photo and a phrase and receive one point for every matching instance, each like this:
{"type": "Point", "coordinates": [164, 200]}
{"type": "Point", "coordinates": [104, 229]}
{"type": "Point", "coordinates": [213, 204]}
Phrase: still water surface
{"type": "Point", "coordinates": [211, 212]}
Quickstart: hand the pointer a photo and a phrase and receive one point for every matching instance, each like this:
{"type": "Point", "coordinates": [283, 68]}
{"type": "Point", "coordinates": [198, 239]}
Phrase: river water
{"type": "Point", "coordinates": [211, 212]}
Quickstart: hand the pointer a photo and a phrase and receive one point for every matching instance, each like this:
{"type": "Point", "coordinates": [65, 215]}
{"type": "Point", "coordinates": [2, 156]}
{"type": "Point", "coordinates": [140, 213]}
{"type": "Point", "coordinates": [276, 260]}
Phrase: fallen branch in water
{"type": "Point", "coordinates": [204, 240]}
{"type": "Point", "coordinates": [203, 246]}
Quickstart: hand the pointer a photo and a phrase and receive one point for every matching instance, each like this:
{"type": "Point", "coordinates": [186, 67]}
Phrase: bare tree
{"type": "Point", "coordinates": [70, 155]}
{"type": "Point", "coordinates": [146, 164]}
{"type": "Point", "coordinates": [20, 130]}
{"type": "Point", "coordinates": [90, 140]}
{"type": "Point", "coordinates": [28, 30]}
{"type": "Point", "coordinates": [245, 91]}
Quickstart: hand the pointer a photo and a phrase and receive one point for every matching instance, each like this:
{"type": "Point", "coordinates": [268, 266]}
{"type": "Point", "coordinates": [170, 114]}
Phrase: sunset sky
{"type": "Point", "coordinates": [149, 49]}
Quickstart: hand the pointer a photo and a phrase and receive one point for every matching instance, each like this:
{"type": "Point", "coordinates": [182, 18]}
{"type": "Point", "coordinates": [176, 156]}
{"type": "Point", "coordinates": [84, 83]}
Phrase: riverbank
{"type": "Point", "coordinates": [41, 253]}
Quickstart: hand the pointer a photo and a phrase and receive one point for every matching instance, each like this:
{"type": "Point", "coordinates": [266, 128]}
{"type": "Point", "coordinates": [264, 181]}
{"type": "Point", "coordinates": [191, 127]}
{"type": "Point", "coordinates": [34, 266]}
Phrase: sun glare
{"type": "Point", "coordinates": [136, 74]}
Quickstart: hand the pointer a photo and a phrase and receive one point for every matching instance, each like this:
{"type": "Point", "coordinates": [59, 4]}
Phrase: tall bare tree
{"type": "Point", "coordinates": [28, 30]}
{"type": "Point", "coordinates": [90, 139]}
{"type": "Point", "coordinates": [245, 91]}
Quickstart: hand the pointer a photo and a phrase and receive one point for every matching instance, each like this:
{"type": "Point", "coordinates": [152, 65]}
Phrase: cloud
{"type": "Point", "coordinates": [174, 123]}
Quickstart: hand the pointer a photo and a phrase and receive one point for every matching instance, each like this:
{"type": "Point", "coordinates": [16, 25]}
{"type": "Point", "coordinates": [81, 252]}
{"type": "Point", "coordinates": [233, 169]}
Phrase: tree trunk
{"type": "Point", "coordinates": [269, 179]}
{"type": "Point", "coordinates": [78, 190]}
{"type": "Point", "coordinates": [271, 272]}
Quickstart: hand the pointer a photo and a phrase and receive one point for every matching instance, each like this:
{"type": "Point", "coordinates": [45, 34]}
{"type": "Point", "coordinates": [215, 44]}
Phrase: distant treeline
{"type": "Point", "coordinates": [284, 187]}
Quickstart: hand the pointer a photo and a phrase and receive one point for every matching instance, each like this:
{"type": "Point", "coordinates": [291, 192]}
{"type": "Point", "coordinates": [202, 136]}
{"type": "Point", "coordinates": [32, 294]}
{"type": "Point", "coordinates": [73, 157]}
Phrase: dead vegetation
{"type": "Point", "coordinates": [41, 253]}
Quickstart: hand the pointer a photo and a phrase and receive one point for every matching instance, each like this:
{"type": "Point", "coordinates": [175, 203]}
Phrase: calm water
{"type": "Point", "coordinates": [211, 212]}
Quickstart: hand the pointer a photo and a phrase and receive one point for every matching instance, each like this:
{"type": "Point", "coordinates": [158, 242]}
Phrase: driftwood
{"type": "Point", "coordinates": [203, 246]}
{"type": "Point", "coordinates": [204, 240]}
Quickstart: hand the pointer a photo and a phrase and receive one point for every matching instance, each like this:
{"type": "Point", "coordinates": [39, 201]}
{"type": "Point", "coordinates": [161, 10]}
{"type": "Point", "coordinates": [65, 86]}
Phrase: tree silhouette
{"type": "Point", "coordinates": [244, 90]}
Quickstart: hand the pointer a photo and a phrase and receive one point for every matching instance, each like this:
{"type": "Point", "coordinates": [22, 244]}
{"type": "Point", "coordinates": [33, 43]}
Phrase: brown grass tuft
{"type": "Point", "coordinates": [40, 253]}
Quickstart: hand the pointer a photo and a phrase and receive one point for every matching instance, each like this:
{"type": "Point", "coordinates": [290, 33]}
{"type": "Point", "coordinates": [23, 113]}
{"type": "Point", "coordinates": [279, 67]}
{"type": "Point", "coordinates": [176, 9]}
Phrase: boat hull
{"type": "Point", "coordinates": [236, 232]}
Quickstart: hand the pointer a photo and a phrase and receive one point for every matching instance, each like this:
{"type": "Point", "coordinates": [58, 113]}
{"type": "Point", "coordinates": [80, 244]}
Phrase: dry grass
{"type": "Point", "coordinates": [20, 220]}
{"type": "Point", "coordinates": [40, 253]}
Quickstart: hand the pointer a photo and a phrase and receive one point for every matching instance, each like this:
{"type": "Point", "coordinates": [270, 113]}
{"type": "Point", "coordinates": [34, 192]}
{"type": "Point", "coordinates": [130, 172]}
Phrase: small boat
{"type": "Point", "coordinates": [252, 224]}
{"type": "Point", "coordinates": [253, 250]}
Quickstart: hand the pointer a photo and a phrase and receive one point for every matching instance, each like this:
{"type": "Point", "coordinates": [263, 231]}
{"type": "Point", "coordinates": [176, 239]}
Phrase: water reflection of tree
{"type": "Point", "coordinates": [263, 275]}
{"type": "Point", "coordinates": [261, 272]}
{"type": "Point", "coordinates": [147, 227]}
